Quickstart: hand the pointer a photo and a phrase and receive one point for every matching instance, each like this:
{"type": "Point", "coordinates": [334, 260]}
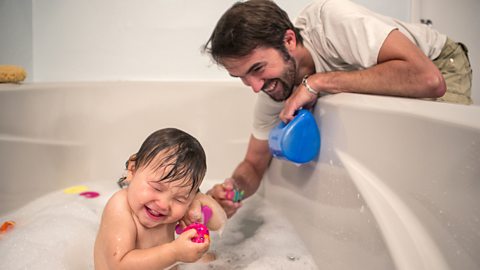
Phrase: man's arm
{"type": "Point", "coordinates": [247, 175]}
{"type": "Point", "coordinates": [402, 69]}
{"type": "Point", "coordinates": [250, 171]}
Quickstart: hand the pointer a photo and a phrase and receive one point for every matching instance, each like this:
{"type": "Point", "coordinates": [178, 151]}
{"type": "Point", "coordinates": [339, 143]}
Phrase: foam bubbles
{"type": "Point", "coordinates": [58, 230]}
{"type": "Point", "coordinates": [257, 237]}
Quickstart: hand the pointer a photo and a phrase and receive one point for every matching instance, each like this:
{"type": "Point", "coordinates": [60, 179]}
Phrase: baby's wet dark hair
{"type": "Point", "coordinates": [183, 157]}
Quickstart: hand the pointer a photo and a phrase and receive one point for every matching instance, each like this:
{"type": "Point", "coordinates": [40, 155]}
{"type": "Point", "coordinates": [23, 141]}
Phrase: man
{"type": "Point", "coordinates": [335, 46]}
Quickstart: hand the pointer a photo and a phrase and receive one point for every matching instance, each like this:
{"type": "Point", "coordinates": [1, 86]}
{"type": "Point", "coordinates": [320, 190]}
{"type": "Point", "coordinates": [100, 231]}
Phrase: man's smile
{"type": "Point", "coordinates": [270, 87]}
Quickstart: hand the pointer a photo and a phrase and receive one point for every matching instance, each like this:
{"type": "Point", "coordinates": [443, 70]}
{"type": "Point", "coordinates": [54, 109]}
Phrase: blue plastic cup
{"type": "Point", "coordinates": [298, 141]}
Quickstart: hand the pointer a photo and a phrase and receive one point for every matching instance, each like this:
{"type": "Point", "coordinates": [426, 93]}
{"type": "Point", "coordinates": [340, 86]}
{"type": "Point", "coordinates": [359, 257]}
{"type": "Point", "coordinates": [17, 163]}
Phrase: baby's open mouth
{"type": "Point", "coordinates": [153, 213]}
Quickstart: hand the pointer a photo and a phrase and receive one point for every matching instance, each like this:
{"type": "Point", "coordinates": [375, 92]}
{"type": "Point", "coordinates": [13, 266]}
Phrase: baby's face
{"type": "Point", "coordinates": [157, 202]}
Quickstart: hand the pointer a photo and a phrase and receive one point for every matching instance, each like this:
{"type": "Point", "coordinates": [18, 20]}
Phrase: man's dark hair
{"type": "Point", "coordinates": [249, 25]}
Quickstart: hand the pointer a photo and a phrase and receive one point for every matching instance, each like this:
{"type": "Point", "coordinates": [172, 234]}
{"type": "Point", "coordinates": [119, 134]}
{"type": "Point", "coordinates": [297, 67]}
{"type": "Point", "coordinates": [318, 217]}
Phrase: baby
{"type": "Point", "coordinates": [137, 230]}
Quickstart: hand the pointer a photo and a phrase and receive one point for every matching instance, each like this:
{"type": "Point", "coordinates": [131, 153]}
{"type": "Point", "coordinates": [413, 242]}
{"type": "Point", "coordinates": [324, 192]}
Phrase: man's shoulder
{"type": "Point", "coordinates": [321, 5]}
{"type": "Point", "coordinates": [321, 12]}
{"type": "Point", "coordinates": [266, 115]}
{"type": "Point", "coordinates": [266, 105]}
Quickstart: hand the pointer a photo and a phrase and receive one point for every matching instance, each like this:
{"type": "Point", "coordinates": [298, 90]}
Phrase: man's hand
{"type": "Point", "coordinates": [300, 98]}
{"type": "Point", "coordinates": [219, 193]}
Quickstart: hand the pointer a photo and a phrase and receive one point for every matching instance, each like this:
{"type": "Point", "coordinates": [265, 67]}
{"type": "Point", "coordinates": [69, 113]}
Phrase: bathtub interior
{"type": "Point", "coordinates": [396, 185]}
{"type": "Point", "coordinates": [57, 231]}
{"type": "Point", "coordinates": [57, 136]}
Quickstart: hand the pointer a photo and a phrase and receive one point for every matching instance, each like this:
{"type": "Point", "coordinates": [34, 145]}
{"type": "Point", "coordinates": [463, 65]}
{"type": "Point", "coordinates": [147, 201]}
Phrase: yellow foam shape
{"type": "Point", "coordinates": [12, 74]}
{"type": "Point", "coordinates": [75, 189]}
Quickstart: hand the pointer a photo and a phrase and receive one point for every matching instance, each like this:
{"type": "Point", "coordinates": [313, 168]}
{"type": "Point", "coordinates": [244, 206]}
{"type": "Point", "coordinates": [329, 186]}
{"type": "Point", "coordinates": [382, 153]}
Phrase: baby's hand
{"type": "Point", "coordinates": [204, 210]}
{"type": "Point", "coordinates": [188, 251]}
{"type": "Point", "coordinates": [194, 213]}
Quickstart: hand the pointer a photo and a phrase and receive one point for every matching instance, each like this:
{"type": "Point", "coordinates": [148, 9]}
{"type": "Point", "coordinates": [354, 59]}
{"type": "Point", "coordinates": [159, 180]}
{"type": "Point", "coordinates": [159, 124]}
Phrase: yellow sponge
{"type": "Point", "coordinates": [12, 74]}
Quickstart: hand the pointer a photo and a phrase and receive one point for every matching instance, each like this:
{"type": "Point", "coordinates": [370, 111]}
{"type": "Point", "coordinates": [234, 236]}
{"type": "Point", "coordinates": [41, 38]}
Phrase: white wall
{"type": "Point", "coordinates": [16, 44]}
{"type": "Point", "coordinates": [120, 40]}
{"type": "Point", "coordinates": [123, 40]}
{"type": "Point", "coordinates": [88, 40]}
{"type": "Point", "coordinates": [460, 21]}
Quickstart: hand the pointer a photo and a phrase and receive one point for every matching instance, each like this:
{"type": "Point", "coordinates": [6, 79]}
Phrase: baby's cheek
{"type": "Point", "coordinates": [179, 211]}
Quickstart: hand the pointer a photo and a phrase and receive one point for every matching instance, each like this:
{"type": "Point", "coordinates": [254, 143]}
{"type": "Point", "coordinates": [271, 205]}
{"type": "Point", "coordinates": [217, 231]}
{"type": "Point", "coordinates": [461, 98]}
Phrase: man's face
{"type": "Point", "coordinates": [265, 69]}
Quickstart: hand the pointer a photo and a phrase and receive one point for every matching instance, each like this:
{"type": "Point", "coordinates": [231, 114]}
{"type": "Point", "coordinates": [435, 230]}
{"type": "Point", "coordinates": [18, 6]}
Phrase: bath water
{"type": "Point", "coordinates": [58, 230]}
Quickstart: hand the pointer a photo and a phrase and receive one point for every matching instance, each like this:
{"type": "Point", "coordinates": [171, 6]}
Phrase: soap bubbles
{"type": "Point", "coordinates": [257, 237]}
{"type": "Point", "coordinates": [58, 230]}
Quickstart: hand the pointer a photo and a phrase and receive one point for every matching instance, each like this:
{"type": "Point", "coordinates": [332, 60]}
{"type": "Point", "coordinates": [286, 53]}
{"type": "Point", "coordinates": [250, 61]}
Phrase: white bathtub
{"type": "Point", "coordinates": [396, 185]}
{"type": "Point", "coordinates": [56, 135]}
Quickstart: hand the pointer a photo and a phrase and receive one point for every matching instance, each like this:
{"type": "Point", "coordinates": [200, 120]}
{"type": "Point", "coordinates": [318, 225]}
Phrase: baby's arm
{"type": "Point", "coordinates": [116, 248]}
{"type": "Point", "coordinates": [181, 249]}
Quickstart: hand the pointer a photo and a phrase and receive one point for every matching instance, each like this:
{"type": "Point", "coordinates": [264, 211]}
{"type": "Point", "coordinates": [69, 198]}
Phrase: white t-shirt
{"type": "Point", "coordinates": [342, 35]}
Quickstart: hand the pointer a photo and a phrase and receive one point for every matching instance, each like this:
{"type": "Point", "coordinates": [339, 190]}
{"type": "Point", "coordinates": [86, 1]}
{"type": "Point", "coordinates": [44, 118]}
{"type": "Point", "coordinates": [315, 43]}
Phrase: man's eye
{"type": "Point", "coordinates": [258, 69]}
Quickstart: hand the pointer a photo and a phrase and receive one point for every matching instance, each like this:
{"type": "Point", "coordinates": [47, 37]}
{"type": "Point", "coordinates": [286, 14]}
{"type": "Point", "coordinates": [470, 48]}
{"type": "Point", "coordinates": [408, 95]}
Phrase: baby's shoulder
{"type": "Point", "coordinates": [118, 202]}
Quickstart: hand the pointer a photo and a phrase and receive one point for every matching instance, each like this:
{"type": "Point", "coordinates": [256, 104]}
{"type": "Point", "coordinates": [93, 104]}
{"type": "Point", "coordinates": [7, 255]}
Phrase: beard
{"type": "Point", "coordinates": [284, 84]}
